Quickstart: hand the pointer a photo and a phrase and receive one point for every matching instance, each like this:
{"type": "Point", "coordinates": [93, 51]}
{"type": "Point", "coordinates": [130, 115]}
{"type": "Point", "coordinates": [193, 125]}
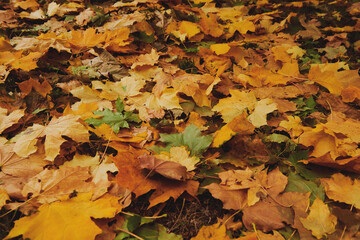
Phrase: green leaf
{"type": "Point", "coordinates": [191, 138]}
{"type": "Point", "coordinates": [119, 105]}
{"type": "Point", "coordinates": [300, 167]}
{"type": "Point", "coordinates": [296, 183]}
{"type": "Point", "coordinates": [117, 119]}
{"type": "Point", "coordinates": [144, 228]}
{"type": "Point", "coordinates": [277, 138]}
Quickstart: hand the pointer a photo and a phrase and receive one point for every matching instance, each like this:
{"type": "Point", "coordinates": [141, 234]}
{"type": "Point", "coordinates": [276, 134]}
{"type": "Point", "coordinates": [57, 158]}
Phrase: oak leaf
{"type": "Point", "coordinates": [68, 219]}
{"type": "Point", "coordinates": [320, 220]}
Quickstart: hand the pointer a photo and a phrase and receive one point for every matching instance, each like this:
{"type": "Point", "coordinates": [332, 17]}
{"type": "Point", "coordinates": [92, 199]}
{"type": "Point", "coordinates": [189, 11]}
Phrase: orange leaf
{"type": "Point", "coordinates": [131, 176]}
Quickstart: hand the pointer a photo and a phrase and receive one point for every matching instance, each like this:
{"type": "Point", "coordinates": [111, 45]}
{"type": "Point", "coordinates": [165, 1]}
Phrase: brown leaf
{"type": "Point", "coordinates": [267, 215]}
{"type": "Point", "coordinates": [168, 169]}
{"type": "Point", "coordinates": [232, 199]}
{"type": "Point", "coordinates": [132, 177]}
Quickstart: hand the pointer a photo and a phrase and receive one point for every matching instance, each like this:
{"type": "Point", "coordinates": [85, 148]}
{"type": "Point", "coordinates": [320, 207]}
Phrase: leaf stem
{"type": "Point", "coordinates": [130, 233]}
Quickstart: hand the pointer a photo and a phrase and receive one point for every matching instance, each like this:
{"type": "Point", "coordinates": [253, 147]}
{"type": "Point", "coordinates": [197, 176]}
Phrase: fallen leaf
{"type": "Point", "coordinates": [212, 232]}
{"type": "Point", "coordinates": [267, 215]}
{"type": "Point", "coordinates": [7, 121]}
{"type": "Point", "coordinates": [131, 176]}
{"type": "Point", "coordinates": [3, 197]}
{"type": "Point", "coordinates": [180, 155]}
{"type": "Point", "coordinates": [168, 169]}
{"type": "Point", "coordinates": [342, 188]}
{"type": "Point", "coordinates": [320, 220]}
{"type": "Point", "coordinates": [262, 108]}
{"type": "Point", "coordinates": [51, 185]}
{"type": "Point", "coordinates": [66, 219]}
{"type": "Point", "coordinates": [233, 106]}
{"type": "Point", "coordinates": [64, 126]}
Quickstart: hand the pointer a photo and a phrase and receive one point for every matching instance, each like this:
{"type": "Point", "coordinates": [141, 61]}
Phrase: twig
{"type": "Point", "coordinates": [231, 216]}
{"type": "Point", "coordinates": [182, 208]}
{"type": "Point", "coordinates": [130, 233]}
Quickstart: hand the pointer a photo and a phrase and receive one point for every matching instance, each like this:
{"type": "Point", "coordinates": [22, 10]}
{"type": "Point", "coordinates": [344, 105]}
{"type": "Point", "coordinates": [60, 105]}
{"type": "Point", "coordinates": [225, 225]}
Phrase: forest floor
{"type": "Point", "coordinates": [193, 119]}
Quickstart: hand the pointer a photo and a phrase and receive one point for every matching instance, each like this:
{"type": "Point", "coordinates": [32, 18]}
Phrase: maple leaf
{"type": "Point", "coordinates": [168, 169]}
{"type": "Point", "coordinates": [131, 176]}
{"type": "Point", "coordinates": [191, 137]}
{"type": "Point", "coordinates": [212, 232]}
{"type": "Point", "coordinates": [51, 185]}
{"type": "Point", "coordinates": [235, 105]}
{"type": "Point", "coordinates": [341, 188]}
{"type": "Point", "coordinates": [320, 221]}
{"type": "Point", "coordinates": [3, 197]}
{"type": "Point", "coordinates": [25, 167]}
{"type": "Point", "coordinates": [117, 119]}
{"type": "Point", "coordinates": [7, 121]}
{"type": "Point", "coordinates": [63, 126]}
{"type": "Point", "coordinates": [145, 228]}
{"type": "Point", "coordinates": [67, 219]}
{"type": "Point", "coordinates": [262, 108]}
{"type": "Point", "coordinates": [180, 155]}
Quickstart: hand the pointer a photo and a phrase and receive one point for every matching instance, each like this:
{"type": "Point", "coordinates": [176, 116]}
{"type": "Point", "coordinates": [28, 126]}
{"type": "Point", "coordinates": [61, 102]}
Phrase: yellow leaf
{"type": "Point", "coordinates": [28, 62]}
{"type": "Point", "coordinates": [233, 106]}
{"type": "Point", "coordinates": [9, 120]}
{"type": "Point", "coordinates": [220, 48]}
{"type": "Point", "coordinates": [84, 110]}
{"type": "Point", "coordinates": [25, 142]}
{"type": "Point", "coordinates": [189, 28]}
{"type": "Point", "coordinates": [69, 219]}
{"type": "Point", "coordinates": [325, 78]}
{"type": "Point", "coordinates": [3, 197]}
{"type": "Point", "coordinates": [180, 155]}
{"type": "Point", "coordinates": [262, 108]}
{"type": "Point", "coordinates": [341, 188]}
{"type": "Point", "coordinates": [5, 45]}
{"type": "Point", "coordinates": [320, 221]}
{"type": "Point", "coordinates": [212, 232]}
{"type": "Point", "coordinates": [201, 1]}
{"type": "Point", "coordinates": [222, 136]}
{"type": "Point", "coordinates": [82, 40]}
{"type": "Point", "coordinates": [64, 126]}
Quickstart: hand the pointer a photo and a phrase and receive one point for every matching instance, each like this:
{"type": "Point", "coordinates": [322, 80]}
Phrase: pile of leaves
{"type": "Point", "coordinates": [199, 119]}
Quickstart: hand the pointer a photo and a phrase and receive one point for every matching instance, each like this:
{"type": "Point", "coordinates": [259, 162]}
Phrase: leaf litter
{"type": "Point", "coordinates": [198, 119]}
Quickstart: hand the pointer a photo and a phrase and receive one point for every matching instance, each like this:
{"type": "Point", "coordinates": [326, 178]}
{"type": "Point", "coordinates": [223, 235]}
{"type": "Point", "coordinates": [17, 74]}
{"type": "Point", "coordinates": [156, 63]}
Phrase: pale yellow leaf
{"type": "Point", "coordinates": [319, 221]}
{"type": "Point", "coordinates": [262, 108]}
